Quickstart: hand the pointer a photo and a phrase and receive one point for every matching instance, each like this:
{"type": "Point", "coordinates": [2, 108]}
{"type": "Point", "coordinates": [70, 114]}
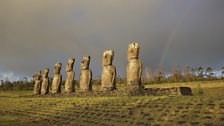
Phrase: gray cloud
{"type": "Point", "coordinates": [35, 34]}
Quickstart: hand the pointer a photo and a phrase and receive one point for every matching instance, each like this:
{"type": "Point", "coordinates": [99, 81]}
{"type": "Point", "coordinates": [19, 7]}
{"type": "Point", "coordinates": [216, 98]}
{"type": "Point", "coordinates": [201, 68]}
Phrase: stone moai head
{"type": "Point", "coordinates": [108, 57]}
{"type": "Point", "coordinates": [70, 64]}
{"type": "Point", "coordinates": [85, 63]}
{"type": "Point", "coordinates": [37, 75]}
{"type": "Point", "coordinates": [45, 73]}
{"type": "Point", "coordinates": [57, 68]}
{"type": "Point", "coordinates": [133, 51]}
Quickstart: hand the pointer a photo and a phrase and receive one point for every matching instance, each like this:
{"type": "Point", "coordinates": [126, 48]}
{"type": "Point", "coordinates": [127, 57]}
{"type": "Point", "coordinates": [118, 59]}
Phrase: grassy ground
{"type": "Point", "coordinates": [205, 107]}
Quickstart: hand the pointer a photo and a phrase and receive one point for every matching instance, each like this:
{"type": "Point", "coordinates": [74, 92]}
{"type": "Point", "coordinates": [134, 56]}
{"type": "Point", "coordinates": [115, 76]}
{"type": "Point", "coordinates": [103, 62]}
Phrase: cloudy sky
{"type": "Point", "coordinates": [38, 33]}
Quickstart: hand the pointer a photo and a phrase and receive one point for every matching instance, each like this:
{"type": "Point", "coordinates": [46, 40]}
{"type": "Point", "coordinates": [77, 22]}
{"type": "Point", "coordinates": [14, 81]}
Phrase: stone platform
{"type": "Point", "coordinates": [174, 91]}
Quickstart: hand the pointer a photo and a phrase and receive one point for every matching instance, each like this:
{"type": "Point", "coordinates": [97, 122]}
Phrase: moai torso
{"type": "Point", "coordinates": [134, 69]}
{"type": "Point", "coordinates": [45, 82]}
{"type": "Point", "coordinates": [69, 83]}
{"type": "Point", "coordinates": [85, 75]}
{"type": "Point", "coordinates": [57, 79]}
{"type": "Point", "coordinates": [85, 80]}
{"type": "Point", "coordinates": [108, 72]}
{"type": "Point", "coordinates": [37, 83]}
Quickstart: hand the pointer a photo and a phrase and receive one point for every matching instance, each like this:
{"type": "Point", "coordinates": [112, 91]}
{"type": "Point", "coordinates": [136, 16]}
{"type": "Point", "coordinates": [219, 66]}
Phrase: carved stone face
{"type": "Point", "coordinates": [57, 68]}
{"type": "Point", "coordinates": [133, 50]}
{"type": "Point", "coordinates": [45, 73]}
{"type": "Point", "coordinates": [70, 64]}
{"type": "Point", "coordinates": [37, 75]}
{"type": "Point", "coordinates": [108, 57]}
{"type": "Point", "coordinates": [85, 63]}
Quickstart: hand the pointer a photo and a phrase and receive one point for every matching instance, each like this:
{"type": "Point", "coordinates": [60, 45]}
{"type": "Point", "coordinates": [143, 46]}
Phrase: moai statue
{"type": "Point", "coordinates": [45, 82]}
{"type": "Point", "coordinates": [57, 79]}
{"type": "Point", "coordinates": [69, 83]}
{"type": "Point", "coordinates": [134, 69]}
{"type": "Point", "coordinates": [108, 71]}
{"type": "Point", "coordinates": [85, 75]}
{"type": "Point", "coordinates": [37, 83]}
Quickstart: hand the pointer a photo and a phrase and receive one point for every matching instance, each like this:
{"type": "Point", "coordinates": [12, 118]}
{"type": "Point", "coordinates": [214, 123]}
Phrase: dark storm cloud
{"type": "Point", "coordinates": [39, 33]}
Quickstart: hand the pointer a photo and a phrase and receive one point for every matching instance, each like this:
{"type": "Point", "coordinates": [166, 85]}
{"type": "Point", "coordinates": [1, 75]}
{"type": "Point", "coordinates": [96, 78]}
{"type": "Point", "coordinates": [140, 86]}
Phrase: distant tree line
{"type": "Point", "coordinates": [177, 75]}
{"type": "Point", "coordinates": [16, 85]}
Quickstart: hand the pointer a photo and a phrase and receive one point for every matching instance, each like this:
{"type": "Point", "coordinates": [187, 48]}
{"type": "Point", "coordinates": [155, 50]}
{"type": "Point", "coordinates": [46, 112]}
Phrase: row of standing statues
{"type": "Point", "coordinates": [108, 80]}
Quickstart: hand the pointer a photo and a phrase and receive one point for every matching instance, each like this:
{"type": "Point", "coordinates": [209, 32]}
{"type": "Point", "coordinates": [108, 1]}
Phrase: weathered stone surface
{"type": "Point", "coordinates": [85, 75]}
{"type": "Point", "coordinates": [45, 82]}
{"type": "Point", "coordinates": [134, 69]}
{"type": "Point", "coordinates": [69, 82]}
{"type": "Point", "coordinates": [134, 72]}
{"type": "Point", "coordinates": [37, 83]}
{"type": "Point", "coordinates": [85, 80]}
{"type": "Point", "coordinates": [57, 79]}
{"type": "Point", "coordinates": [133, 51]}
{"type": "Point", "coordinates": [167, 91]}
{"type": "Point", "coordinates": [85, 63]}
{"type": "Point", "coordinates": [184, 91]}
{"type": "Point", "coordinates": [108, 57]}
{"type": "Point", "coordinates": [57, 68]}
{"type": "Point", "coordinates": [173, 91]}
{"type": "Point", "coordinates": [108, 71]}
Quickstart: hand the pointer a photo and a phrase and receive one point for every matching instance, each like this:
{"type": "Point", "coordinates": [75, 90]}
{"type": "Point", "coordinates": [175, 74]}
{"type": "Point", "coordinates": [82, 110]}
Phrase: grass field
{"type": "Point", "coordinates": [205, 107]}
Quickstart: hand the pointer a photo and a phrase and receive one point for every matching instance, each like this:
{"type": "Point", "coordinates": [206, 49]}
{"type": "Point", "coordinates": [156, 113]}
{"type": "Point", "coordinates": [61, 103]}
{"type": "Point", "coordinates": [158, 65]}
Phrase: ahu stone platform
{"type": "Point", "coordinates": [168, 91]}
{"type": "Point", "coordinates": [174, 91]}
